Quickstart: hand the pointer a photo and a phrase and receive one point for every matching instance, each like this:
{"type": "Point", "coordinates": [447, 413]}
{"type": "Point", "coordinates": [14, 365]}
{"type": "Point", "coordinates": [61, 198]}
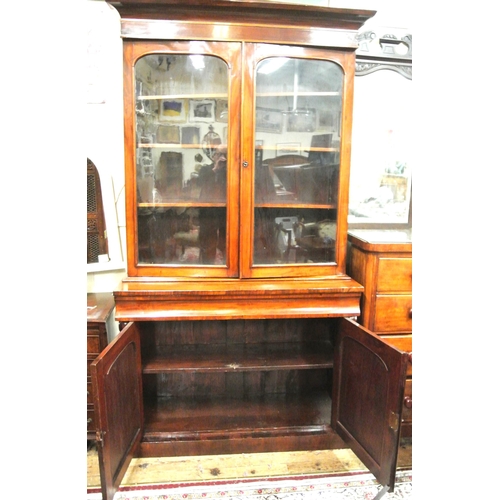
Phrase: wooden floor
{"type": "Point", "coordinates": [258, 465]}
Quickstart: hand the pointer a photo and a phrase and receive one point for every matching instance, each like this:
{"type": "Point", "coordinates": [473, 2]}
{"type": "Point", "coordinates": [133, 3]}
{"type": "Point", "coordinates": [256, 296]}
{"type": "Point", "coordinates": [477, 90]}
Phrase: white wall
{"type": "Point", "coordinates": [104, 135]}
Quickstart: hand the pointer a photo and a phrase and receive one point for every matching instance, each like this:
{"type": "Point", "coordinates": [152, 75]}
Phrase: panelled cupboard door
{"type": "Point", "coordinates": [368, 395]}
{"type": "Point", "coordinates": [116, 375]}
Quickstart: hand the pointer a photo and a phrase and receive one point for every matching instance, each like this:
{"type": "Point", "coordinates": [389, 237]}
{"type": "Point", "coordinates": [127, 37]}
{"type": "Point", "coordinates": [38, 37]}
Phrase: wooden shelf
{"type": "Point", "coordinates": [169, 145]}
{"type": "Point", "coordinates": [241, 357]}
{"type": "Point", "coordinates": [184, 418]}
{"type": "Point", "coordinates": [221, 95]}
{"type": "Point", "coordinates": [183, 204]}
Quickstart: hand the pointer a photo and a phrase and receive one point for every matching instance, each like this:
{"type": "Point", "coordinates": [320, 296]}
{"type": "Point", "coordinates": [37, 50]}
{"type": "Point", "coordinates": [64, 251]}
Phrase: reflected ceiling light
{"type": "Point", "coordinates": [270, 65]}
{"type": "Point", "coordinates": [197, 61]}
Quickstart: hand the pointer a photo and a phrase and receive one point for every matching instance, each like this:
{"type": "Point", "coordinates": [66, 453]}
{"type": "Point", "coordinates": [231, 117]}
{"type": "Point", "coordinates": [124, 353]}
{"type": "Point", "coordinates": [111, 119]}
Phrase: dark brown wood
{"type": "Point", "coordinates": [116, 376]}
{"type": "Point", "coordinates": [241, 357]}
{"type": "Point", "coordinates": [367, 409]}
{"type": "Point", "coordinates": [251, 444]}
{"type": "Point", "coordinates": [234, 11]}
{"type": "Point", "coordinates": [99, 309]}
{"type": "Point", "coordinates": [236, 299]}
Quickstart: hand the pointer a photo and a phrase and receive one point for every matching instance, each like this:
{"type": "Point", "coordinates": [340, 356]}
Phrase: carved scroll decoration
{"type": "Point", "coordinates": [385, 52]}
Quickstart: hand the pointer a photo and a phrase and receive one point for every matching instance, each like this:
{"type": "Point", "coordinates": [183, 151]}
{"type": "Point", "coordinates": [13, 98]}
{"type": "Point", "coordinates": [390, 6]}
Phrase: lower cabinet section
{"type": "Point", "coordinates": [194, 387]}
{"type": "Point", "coordinates": [99, 312]}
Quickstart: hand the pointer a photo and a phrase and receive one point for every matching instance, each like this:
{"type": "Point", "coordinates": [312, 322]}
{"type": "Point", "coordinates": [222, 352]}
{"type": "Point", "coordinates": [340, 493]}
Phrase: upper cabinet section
{"type": "Point", "coordinates": [237, 143]}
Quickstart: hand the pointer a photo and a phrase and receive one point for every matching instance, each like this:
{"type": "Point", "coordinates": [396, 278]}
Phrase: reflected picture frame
{"type": "Point", "coordinates": [168, 134]}
{"type": "Point", "coordinates": [172, 111]}
{"type": "Point", "coordinates": [269, 120]}
{"type": "Point", "coordinates": [202, 110]}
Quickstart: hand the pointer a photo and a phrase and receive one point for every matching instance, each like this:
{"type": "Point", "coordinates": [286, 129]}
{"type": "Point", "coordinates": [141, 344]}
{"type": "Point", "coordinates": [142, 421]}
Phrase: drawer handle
{"type": "Point", "coordinates": [407, 402]}
{"type": "Point", "coordinates": [89, 420]}
{"type": "Point", "coordinates": [410, 313]}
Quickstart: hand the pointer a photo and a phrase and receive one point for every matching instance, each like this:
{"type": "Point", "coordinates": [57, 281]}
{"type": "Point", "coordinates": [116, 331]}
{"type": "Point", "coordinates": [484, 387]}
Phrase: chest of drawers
{"type": "Point", "coordinates": [99, 314]}
{"type": "Point", "coordinates": [381, 260]}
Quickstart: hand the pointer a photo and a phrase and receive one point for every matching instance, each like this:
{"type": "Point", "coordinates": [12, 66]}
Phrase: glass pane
{"type": "Point", "coordinates": [297, 138]}
{"type": "Point", "coordinates": [380, 186]}
{"type": "Point", "coordinates": [181, 131]}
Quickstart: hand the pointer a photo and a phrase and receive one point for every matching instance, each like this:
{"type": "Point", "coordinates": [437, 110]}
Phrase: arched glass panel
{"type": "Point", "coordinates": [181, 130]}
{"type": "Point", "coordinates": [297, 139]}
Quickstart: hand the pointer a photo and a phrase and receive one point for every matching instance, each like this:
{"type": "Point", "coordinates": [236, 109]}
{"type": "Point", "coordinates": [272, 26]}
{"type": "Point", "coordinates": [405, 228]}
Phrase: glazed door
{"type": "Point", "coordinates": [182, 112]}
{"type": "Point", "coordinates": [116, 376]}
{"type": "Point", "coordinates": [296, 147]}
{"type": "Point", "coordinates": [368, 397]}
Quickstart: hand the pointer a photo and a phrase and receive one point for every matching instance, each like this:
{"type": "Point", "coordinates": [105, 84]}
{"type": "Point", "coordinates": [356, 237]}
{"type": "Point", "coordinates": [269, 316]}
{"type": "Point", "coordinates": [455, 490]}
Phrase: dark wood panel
{"type": "Point", "coordinates": [235, 384]}
{"type": "Point", "coordinates": [326, 440]}
{"type": "Point", "coordinates": [213, 418]}
{"type": "Point", "coordinates": [93, 344]}
{"type": "Point", "coordinates": [240, 357]}
{"type": "Point", "coordinates": [236, 331]}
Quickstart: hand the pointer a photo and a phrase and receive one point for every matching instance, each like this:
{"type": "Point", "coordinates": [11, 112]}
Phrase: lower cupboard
{"type": "Point", "coordinates": [192, 387]}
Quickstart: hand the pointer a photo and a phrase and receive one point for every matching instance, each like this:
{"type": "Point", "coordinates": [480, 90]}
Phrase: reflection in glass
{"type": "Point", "coordinates": [380, 185]}
{"type": "Point", "coordinates": [297, 142]}
{"type": "Point", "coordinates": [181, 166]}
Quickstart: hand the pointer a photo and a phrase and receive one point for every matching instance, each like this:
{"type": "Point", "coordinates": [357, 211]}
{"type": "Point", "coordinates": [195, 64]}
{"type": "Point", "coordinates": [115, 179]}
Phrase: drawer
{"type": "Point", "coordinates": [93, 344]}
{"type": "Point", "coordinates": [392, 313]}
{"type": "Point", "coordinates": [403, 343]}
{"type": "Point", "coordinates": [394, 275]}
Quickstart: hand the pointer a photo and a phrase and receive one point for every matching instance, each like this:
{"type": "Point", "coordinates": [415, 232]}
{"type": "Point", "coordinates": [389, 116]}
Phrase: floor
{"type": "Point", "coordinates": [202, 468]}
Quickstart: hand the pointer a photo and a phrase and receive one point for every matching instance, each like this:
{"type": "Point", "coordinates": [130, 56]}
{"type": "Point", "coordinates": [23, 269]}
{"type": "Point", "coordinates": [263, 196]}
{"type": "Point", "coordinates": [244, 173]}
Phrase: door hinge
{"type": "Point", "coordinates": [394, 421]}
{"type": "Point", "coordinates": [99, 435]}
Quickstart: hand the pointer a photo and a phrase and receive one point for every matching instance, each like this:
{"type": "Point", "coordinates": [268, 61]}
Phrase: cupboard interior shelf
{"type": "Point", "coordinates": [178, 418]}
{"type": "Point", "coordinates": [240, 357]}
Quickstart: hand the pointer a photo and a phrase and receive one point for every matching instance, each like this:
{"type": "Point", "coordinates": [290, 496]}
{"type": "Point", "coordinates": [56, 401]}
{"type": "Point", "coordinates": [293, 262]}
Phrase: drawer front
{"type": "Point", "coordinates": [394, 275]}
{"type": "Point", "coordinates": [403, 343]}
{"type": "Point", "coordinates": [93, 346]}
{"type": "Point", "coordinates": [393, 313]}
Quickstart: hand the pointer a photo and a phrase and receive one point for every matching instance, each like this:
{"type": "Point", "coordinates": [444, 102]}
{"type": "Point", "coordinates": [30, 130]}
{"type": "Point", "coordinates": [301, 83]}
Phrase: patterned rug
{"type": "Point", "coordinates": [360, 486]}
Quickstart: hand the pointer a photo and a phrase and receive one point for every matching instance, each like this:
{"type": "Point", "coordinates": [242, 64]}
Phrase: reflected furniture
{"type": "Point", "coordinates": [381, 260]}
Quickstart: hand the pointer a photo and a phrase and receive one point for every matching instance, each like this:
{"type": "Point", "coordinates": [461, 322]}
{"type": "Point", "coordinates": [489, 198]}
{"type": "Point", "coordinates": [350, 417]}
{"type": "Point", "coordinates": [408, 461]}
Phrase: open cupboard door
{"type": "Point", "coordinates": [368, 393]}
{"type": "Point", "coordinates": [116, 377]}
